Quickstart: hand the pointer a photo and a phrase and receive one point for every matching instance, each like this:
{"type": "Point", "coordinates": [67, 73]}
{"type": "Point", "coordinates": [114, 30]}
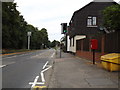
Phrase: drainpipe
{"type": "Point", "coordinates": [103, 44]}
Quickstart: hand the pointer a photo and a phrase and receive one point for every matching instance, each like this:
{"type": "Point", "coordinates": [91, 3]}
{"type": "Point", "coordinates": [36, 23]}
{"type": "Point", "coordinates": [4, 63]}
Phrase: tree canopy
{"type": "Point", "coordinates": [54, 43]}
{"type": "Point", "coordinates": [111, 17]}
{"type": "Point", "coordinates": [15, 28]}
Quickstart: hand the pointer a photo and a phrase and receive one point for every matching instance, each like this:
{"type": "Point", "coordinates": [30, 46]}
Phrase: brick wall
{"type": "Point", "coordinates": [89, 55]}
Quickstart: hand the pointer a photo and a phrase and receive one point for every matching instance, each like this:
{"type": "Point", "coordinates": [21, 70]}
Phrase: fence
{"type": "Point", "coordinates": [110, 43]}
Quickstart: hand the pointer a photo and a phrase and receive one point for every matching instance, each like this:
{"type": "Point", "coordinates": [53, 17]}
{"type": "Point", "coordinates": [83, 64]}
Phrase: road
{"type": "Point", "coordinates": [19, 70]}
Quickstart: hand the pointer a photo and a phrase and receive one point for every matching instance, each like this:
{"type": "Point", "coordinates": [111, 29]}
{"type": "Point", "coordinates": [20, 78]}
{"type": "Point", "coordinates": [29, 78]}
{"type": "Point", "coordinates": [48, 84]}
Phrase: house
{"type": "Point", "coordinates": [86, 24]}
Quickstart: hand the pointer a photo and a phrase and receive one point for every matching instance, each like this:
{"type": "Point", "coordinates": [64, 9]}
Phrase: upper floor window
{"type": "Point", "coordinates": [91, 21]}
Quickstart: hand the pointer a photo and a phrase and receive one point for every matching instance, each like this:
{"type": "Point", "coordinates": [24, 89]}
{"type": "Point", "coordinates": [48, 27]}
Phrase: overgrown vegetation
{"type": "Point", "coordinates": [111, 17]}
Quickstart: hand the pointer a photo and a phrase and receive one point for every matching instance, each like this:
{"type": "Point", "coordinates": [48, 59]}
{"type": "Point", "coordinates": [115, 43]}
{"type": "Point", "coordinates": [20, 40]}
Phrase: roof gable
{"type": "Point", "coordinates": [95, 2]}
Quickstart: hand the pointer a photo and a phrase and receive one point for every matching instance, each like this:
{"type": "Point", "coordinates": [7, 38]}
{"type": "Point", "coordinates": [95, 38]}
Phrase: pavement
{"type": "Point", "coordinates": [71, 71]}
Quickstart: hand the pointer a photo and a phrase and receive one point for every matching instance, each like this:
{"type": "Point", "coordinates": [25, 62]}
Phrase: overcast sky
{"type": "Point", "coordinates": [50, 14]}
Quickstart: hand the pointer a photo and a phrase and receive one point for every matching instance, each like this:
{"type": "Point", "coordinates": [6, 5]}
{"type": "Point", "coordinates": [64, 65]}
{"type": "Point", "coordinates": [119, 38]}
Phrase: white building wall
{"type": "Point", "coordinates": [68, 44]}
{"type": "Point", "coordinates": [77, 37]}
{"type": "Point", "coordinates": [71, 47]}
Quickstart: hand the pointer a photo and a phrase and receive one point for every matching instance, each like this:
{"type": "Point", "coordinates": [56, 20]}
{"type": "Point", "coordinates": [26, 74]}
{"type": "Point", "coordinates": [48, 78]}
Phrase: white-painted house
{"type": "Point", "coordinates": [71, 46]}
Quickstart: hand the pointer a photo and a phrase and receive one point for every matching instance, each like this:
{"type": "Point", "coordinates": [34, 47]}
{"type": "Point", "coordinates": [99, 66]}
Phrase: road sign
{"type": "Point", "coordinates": [29, 33]}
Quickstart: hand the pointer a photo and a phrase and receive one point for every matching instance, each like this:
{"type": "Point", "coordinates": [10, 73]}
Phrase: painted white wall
{"type": "Point", "coordinates": [68, 43]}
{"type": "Point", "coordinates": [77, 37]}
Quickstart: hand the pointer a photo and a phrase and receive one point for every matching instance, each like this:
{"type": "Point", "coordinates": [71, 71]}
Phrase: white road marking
{"type": "Point", "coordinates": [42, 72]}
{"type": "Point", "coordinates": [45, 65]}
{"type": "Point", "coordinates": [42, 75]}
{"type": "Point", "coordinates": [1, 66]}
{"type": "Point", "coordinates": [35, 81]}
{"type": "Point", "coordinates": [53, 55]}
{"type": "Point", "coordinates": [46, 69]}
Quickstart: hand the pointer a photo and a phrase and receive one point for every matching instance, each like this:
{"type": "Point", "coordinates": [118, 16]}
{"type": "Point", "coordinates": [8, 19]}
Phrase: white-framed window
{"type": "Point", "coordinates": [89, 21]}
{"type": "Point", "coordinates": [92, 21]}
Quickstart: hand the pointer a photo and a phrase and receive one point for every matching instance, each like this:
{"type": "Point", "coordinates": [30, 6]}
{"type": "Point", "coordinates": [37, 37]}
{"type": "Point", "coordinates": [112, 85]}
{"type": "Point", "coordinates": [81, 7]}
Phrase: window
{"type": "Point", "coordinates": [94, 20]}
{"type": "Point", "coordinates": [91, 21]}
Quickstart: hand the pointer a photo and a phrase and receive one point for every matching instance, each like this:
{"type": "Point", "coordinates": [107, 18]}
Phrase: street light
{"type": "Point", "coordinates": [28, 34]}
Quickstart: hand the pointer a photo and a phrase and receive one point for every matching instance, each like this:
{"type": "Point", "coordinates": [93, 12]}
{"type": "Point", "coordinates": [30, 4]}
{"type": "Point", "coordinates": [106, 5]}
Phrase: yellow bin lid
{"type": "Point", "coordinates": [110, 56]}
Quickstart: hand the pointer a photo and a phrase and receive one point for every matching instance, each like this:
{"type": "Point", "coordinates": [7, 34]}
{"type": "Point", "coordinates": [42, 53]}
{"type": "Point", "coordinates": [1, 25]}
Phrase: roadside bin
{"type": "Point", "coordinates": [111, 61]}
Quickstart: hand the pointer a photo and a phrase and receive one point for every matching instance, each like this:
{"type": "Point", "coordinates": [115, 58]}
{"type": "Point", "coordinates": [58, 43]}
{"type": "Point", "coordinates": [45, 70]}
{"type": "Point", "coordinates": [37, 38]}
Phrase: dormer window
{"type": "Point", "coordinates": [91, 21]}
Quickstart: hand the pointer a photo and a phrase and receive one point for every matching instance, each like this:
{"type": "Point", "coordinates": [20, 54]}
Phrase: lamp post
{"type": "Point", "coordinates": [28, 34]}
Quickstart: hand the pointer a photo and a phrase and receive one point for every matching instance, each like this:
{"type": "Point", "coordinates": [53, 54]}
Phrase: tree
{"type": "Point", "coordinates": [15, 28]}
{"type": "Point", "coordinates": [10, 23]}
{"type": "Point", "coordinates": [44, 34]}
{"type": "Point", "coordinates": [54, 43]}
{"type": "Point", "coordinates": [111, 16]}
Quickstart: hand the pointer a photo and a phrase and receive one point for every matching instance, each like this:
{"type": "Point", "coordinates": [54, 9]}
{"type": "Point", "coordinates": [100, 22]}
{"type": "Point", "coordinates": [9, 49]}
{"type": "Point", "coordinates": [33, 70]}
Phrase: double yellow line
{"type": "Point", "coordinates": [39, 87]}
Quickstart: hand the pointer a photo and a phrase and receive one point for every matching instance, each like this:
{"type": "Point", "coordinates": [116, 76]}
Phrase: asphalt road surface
{"type": "Point", "coordinates": [19, 70]}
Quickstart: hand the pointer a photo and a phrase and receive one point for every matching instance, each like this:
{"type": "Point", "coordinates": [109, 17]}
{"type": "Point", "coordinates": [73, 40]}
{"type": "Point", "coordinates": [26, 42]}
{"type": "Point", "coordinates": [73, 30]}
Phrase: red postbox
{"type": "Point", "coordinates": [94, 44]}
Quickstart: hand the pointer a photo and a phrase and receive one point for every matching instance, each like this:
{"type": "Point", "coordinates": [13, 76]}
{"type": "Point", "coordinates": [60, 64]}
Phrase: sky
{"type": "Point", "coordinates": [49, 14]}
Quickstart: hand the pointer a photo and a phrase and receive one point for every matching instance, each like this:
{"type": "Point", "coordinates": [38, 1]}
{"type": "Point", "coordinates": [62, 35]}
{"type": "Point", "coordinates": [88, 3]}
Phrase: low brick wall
{"type": "Point", "coordinates": [89, 55]}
